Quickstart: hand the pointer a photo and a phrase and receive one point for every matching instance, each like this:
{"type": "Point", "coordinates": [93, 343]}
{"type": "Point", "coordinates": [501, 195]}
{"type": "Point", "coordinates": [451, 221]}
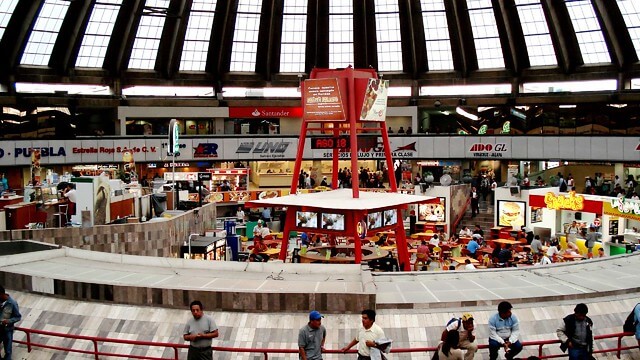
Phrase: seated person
{"type": "Point", "coordinates": [527, 258]}
{"type": "Point", "coordinates": [478, 230]}
{"type": "Point", "coordinates": [572, 249]}
{"type": "Point", "coordinates": [478, 238]}
{"type": "Point", "coordinates": [422, 256]}
{"type": "Point", "coordinates": [434, 240]}
{"type": "Point", "coordinates": [601, 253]}
{"type": "Point", "coordinates": [304, 239]}
{"type": "Point", "coordinates": [454, 239]}
{"type": "Point", "coordinates": [260, 230]}
{"type": "Point", "coordinates": [536, 245]}
{"type": "Point", "coordinates": [473, 247]}
{"type": "Point", "coordinates": [505, 256]}
{"type": "Point", "coordinates": [553, 249]}
{"type": "Point", "coordinates": [465, 232]}
{"type": "Point", "coordinates": [382, 240]}
{"type": "Point", "coordinates": [317, 241]}
{"type": "Point", "coordinates": [496, 252]}
{"type": "Point", "coordinates": [258, 247]}
{"type": "Point", "coordinates": [545, 260]}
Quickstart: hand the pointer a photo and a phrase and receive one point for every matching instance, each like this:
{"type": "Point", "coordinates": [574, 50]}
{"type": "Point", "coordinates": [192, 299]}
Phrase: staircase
{"type": "Point", "coordinates": [484, 218]}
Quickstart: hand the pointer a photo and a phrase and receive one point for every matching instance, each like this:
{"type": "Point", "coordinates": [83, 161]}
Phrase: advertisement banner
{"type": "Point", "coordinates": [322, 100]}
{"type": "Point", "coordinates": [625, 208]}
{"type": "Point", "coordinates": [374, 106]}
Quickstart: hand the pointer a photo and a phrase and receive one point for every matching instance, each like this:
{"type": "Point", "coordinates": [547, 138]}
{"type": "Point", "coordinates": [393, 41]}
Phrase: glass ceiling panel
{"type": "Point", "coordinates": [630, 10]}
{"type": "Point", "coordinates": [585, 23]}
{"type": "Point", "coordinates": [340, 33]}
{"type": "Point", "coordinates": [536, 33]}
{"type": "Point", "coordinates": [389, 46]}
{"type": "Point", "coordinates": [485, 34]}
{"type": "Point", "coordinates": [147, 42]}
{"type": "Point", "coordinates": [245, 37]}
{"type": "Point", "coordinates": [196, 40]}
{"type": "Point", "coordinates": [6, 9]}
{"type": "Point", "coordinates": [436, 33]}
{"type": "Point", "coordinates": [294, 36]}
{"type": "Point", "coordinates": [45, 32]}
{"type": "Point", "coordinates": [96, 37]}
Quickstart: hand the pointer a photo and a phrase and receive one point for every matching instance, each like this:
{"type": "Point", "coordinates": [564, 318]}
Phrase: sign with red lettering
{"type": "Point", "coordinates": [265, 112]}
{"type": "Point", "coordinates": [322, 100]}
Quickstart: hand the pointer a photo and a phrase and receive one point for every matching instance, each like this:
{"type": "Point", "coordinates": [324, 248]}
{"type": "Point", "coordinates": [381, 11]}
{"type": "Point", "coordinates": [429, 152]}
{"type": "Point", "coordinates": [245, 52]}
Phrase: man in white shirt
{"type": "Point", "coordinates": [466, 232]}
{"type": "Point", "coordinates": [435, 241]}
{"type": "Point", "coordinates": [71, 194]}
{"type": "Point", "coordinates": [368, 334]}
{"type": "Point", "coordinates": [240, 214]}
{"type": "Point", "coordinates": [260, 230]}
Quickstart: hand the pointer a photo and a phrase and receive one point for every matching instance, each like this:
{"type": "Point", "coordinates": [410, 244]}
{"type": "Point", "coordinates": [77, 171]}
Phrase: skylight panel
{"type": "Point", "coordinates": [6, 9]}
{"type": "Point", "coordinates": [585, 23]}
{"type": "Point", "coordinates": [96, 37]}
{"type": "Point", "coordinates": [245, 37]}
{"type": "Point", "coordinates": [147, 42]}
{"type": "Point", "coordinates": [196, 40]}
{"type": "Point", "coordinates": [536, 33]}
{"type": "Point", "coordinates": [485, 34]}
{"type": "Point", "coordinates": [45, 32]}
{"type": "Point", "coordinates": [294, 36]}
{"type": "Point", "coordinates": [436, 33]}
{"type": "Point", "coordinates": [389, 44]}
{"type": "Point", "coordinates": [340, 33]}
{"type": "Point", "coordinates": [630, 10]}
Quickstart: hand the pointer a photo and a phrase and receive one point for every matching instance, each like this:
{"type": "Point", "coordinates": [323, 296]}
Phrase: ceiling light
{"type": "Point", "coordinates": [465, 113]}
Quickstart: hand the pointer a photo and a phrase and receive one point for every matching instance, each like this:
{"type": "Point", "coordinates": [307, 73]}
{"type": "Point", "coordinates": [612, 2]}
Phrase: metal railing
{"type": "Point", "coordinates": [30, 344]}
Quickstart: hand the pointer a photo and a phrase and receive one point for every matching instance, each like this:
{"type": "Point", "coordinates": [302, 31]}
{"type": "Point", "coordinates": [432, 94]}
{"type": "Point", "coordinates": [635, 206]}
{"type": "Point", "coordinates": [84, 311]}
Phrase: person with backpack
{"type": "Point", "coordinates": [632, 323]}
{"type": "Point", "coordinates": [466, 337]}
{"type": "Point", "coordinates": [576, 334]}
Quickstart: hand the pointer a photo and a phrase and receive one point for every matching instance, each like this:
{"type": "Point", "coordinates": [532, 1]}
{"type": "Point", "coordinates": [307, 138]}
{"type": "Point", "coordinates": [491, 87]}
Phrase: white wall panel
{"type": "Point", "coordinates": [534, 148]}
{"type": "Point", "coordinates": [441, 148]}
{"type": "Point", "coordinates": [566, 148]}
{"type": "Point", "coordinates": [631, 148]}
{"type": "Point", "coordinates": [583, 148]}
{"type": "Point", "coordinates": [599, 148]}
{"type": "Point", "coordinates": [519, 148]}
{"type": "Point", "coordinates": [550, 147]}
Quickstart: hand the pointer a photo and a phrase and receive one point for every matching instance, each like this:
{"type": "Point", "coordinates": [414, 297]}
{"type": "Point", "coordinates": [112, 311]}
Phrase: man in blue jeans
{"type": "Point", "coordinates": [504, 332]}
{"type": "Point", "coordinates": [576, 334]}
{"type": "Point", "coordinates": [10, 316]}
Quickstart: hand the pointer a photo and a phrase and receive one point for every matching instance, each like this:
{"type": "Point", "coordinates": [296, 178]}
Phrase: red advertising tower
{"type": "Point", "coordinates": [343, 107]}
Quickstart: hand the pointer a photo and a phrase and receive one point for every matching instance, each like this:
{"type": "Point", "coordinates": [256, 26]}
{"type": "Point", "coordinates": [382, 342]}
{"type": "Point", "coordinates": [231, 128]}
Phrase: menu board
{"type": "Point", "coordinates": [536, 215]}
{"type": "Point", "coordinates": [322, 100]}
{"type": "Point", "coordinates": [613, 226]}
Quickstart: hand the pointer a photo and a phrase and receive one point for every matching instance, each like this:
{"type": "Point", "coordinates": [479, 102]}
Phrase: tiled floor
{"type": "Point", "coordinates": [408, 328]}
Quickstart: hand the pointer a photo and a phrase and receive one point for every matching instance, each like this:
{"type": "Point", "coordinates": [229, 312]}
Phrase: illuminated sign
{"type": "Point", "coordinates": [488, 150]}
{"type": "Point", "coordinates": [564, 202]}
{"type": "Point", "coordinates": [206, 150]}
{"type": "Point", "coordinates": [625, 206]}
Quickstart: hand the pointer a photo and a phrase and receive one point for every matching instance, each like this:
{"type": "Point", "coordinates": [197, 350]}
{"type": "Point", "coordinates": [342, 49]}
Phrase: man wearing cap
{"type": "Point", "coordinates": [575, 334]}
{"type": "Point", "coordinates": [368, 334]}
{"type": "Point", "coordinates": [464, 326]}
{"type": "Point", "coordinates": [260, 230]}
{"type": "Point", "coordinates": [311, 338]}
{"type": "Point", "coordinates": [504, 332]}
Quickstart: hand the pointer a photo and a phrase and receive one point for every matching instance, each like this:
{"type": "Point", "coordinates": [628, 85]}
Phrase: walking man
{"type": "Point", "coordinates": [10, 316]}
{"type": "Point", "coordinates": [199, 331]}
{"type": "Point", "coordinates": [368, 334]}
{"type": "Point", "coordinates": [576, 334]}
{"type": "Point", "coordinates": [311, 338]}
{"type": "Point", "coordinates": [504, 332]}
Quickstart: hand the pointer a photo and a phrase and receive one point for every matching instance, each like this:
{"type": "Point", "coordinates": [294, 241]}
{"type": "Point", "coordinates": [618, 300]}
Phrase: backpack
{"type": "Point", "coordinates": [630, 322]}
{"type": "Point", "coordinates": [563, 185]}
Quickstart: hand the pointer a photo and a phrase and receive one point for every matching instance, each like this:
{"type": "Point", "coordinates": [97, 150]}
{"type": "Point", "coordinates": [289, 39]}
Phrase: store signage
{"type": "Point", "coordinates": [625, 206]}
{"type": "Point", "coordinates": [341, 142]}
{"type": "Point", "coordinates": [112, 150]}
{"type": "Point", "coordinates": [174, 136]}
{"type": "Point", "coordinates": [44, 152]}
{"type": "Point", "coordinates": [322, 100]}
{"type": "Point", "coordinates": [206, 150]}
{"type": "Point", "coordinates": [377, 151]}
{"type": "Point", "coordinates": [178, 164]}
{"type": "Point", "coordinates": [274, 149]}
{"type": "Point", "coordinates": [638, 147]}
{"type": "Point", "coordinates": [570, 201]}
{"type": "Point", "coordinates": [488, 150]}
{"type": "Point", "coordinates": [265, 112]}
{"type": "Point", "coordinates": [204, 176]}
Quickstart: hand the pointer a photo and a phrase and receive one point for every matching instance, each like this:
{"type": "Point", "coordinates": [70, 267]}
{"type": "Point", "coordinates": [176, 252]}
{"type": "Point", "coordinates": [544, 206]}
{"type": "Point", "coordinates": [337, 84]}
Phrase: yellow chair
{"type": "Point", "coordinates": [414, 236]}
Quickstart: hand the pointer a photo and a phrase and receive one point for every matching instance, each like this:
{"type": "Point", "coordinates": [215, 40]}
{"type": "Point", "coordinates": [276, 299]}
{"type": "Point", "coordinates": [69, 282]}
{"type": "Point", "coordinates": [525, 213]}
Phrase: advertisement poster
{"type": "Point", "coordinates": [322, 100]}
{"type": "Point", "coordinates": [433, 212]}
{"type": "Point", "coordinates": [374, 106]}
{"type": "Point", "coordinates": [511, 213]}
{"type": "Point", "coordinates": [102, 201]}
